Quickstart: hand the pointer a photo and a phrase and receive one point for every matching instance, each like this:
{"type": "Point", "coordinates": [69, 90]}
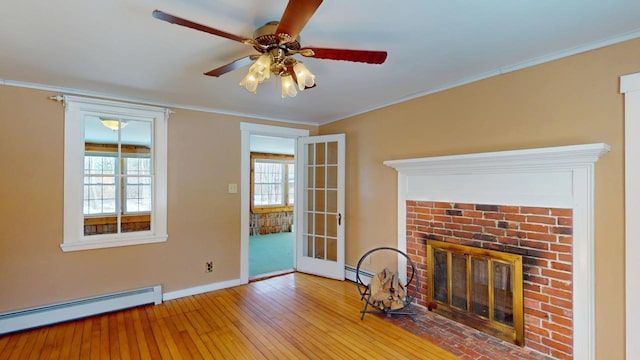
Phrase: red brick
{"type": "Point", "coordinates": [515, 233]}
{"type": "Point", "coordinates": [568, 258]}
{"type": "Point", "coordinates": [534, 228]}
{"type": "Point", "coordinates": [561, 266]}
{"type": "Point", "coordinates": [566, 340]}
{"type": "Point", "coordinates": [536, 313]}
{"type": "Point", "coordinates": [560, 355]}
{"type": "Point", "coordinates": [464, 206]}
{"type": "Point", "coordinates": [539, 348]}
{"type": "Point", "coordinates": [560, 275]}
{"type": "Point", "coordinates": [561, 248]}
{"type": "Point", "coordinates": [462, 220]}
{"type": "Point", "coordinates": [508, 240]}
{"type": "Point", "coordinates": [567, 304]}
{"type": "Point", "coordinates": [536, 295]}
{"type": "Point", "coordinates": [537, 330]}
{"type": "Point", "coordinates": [561, 320]}
{"type": "Point", "coordinates": [443, 205]}
{"type": "Point", "coordinates": [567, 295]}
{"type": "Point", "coordinates": [564, 330]}
{"type": "Point", "coordinates": [537, 279]}
{"type": "Point", "coordinates": [529, 303]}
{"type": "Point", "coordinates": [452, 226]}
{"type": "Point", "coordinates": [562, 212]}
{"type": "Point", "coordinates": [564, 221]}
{"type": "Point", "coordinates": [532, 287]}
{"type": "Point", "coordinates": [541, 219]}
{"type": "Point", "coordinates": [562, 285]}
{"type": "Point", "coordinates": [463, 234]}
{"type": "Point", "coordinates": [557, 345]}
{"type": "Point", "coordinates": [493, 215]}
{"type": "Point", "coordinates": [495, 231]}
{"type": "Point", "coordinates": [426, 217]}
{"type": "Point", "coordinates": [472, 228]}
{"type": "Point", "coordinates": [425, 203]}
{"type": "Point", "coordinates": [419, 210]}
{"type": "Point", "coordinates": [534, 210]}
{"type": "Point", "coordinates": [484, 222]}
{"type": "Point", "coordinates": [562, 230]}
{"type": "Point", "coordinates": [472, 213]}
{"type": "Point", "coordinates": [442, 218]}
{"type": "Point", "coordinates": [534, 244]}
{"type": "Point", "coordinates": [411, 202]}
{"type": "Point", "coordinates": [509, 209]}
{"type": "Point", "coordinates": [543, 237]}
{"type": "Point", "coordinates": [515, 218]}
{"type": "Point", "coordinates": [550, 309]}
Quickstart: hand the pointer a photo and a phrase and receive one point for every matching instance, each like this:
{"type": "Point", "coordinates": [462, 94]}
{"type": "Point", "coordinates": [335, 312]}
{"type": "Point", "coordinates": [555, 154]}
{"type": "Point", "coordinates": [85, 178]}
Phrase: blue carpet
{"type": "Point", "coordinates": [270, 253]}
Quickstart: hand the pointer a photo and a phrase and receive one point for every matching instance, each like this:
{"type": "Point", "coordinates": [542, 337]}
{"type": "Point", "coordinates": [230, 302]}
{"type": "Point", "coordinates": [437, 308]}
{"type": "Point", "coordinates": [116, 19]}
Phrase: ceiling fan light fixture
{"type": "Point", "coordinates": [113, 124]}
{"type": "Point", "coordinates": [250, 82]}
{"type": "Point", "coordinates": [262, 67]}
{"type": "Point", "coordinates": [304, 76]}
{"type": "Point", "coordinates": [288, 86]}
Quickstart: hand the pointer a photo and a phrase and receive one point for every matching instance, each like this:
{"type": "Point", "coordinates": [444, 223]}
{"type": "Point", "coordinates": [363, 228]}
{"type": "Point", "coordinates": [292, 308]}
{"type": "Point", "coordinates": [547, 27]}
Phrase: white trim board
{"type": "Point", "coordinates": [630, 87]}
{"type": "Point", "coordinates": [553, 177]}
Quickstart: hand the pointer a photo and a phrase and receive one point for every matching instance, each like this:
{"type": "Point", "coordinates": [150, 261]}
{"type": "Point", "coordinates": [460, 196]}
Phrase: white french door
{"type": "Point", "coordinates": [320, 165]}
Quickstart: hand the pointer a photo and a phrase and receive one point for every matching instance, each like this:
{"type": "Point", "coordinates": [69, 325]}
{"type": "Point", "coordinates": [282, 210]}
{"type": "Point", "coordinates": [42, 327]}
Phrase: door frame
{"type": "Point", "coordinates": [246, 130]}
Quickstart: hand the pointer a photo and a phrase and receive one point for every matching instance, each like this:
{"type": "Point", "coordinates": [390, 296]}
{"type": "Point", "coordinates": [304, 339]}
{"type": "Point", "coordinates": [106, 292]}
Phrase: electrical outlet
{"type": "Point", "coordinates": [209, 266]}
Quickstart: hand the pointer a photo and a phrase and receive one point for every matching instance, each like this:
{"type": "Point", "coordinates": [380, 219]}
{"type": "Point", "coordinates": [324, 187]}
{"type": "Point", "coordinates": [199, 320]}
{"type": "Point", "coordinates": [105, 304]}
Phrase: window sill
{"type": "Point", "coordinates": [111, 242]}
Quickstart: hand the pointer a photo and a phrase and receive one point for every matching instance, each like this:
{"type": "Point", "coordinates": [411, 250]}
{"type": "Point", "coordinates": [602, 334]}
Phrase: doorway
{"type": "Point", "coordinates": [272, 199]}
{"type": "Point", "coordinates": [266, 140]}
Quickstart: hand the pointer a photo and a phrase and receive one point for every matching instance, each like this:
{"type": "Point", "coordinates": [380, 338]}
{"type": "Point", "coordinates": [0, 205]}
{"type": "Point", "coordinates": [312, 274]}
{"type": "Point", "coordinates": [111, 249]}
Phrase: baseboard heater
{"type": "Point", "coordinates": [75, 309]}
{"type": "Point", "coordinates": [350, 274]}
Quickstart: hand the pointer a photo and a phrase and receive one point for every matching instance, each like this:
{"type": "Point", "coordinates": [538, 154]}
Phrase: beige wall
{"type": "Point", "coordinates": [203, 219]}
{"type": "Point", "coordinates": [574, 100]}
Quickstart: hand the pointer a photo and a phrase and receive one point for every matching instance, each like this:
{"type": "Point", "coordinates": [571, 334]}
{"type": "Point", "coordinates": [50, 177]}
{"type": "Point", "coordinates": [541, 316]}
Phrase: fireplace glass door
{"type": "Point", "coordinates": [481, 288]}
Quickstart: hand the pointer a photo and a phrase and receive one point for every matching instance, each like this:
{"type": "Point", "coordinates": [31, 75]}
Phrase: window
{"type": "Point", "coordinates": [115, 174]}
{"type": "Point", "coordinates": [272, 182]}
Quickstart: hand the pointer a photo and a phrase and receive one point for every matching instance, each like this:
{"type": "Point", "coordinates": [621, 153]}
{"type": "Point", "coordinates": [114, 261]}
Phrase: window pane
{"type": "Point", "coordinates": [291, 184]}
{"type": "Point", "coordinates": [268, 183]}
{"type": "Point", "coordinates": [137, 184]}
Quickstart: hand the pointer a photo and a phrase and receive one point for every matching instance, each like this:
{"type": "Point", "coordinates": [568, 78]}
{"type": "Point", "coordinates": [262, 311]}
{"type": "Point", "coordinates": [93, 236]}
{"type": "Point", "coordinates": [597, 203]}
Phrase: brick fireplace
{"type": "Point", "coordinates": [542, 236]}
{"type": "Point", "coordinates": [503, 199]}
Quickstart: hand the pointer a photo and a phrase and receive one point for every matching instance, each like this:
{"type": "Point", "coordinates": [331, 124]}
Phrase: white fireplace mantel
{"type": "Point", "coordinates": [560, 177]}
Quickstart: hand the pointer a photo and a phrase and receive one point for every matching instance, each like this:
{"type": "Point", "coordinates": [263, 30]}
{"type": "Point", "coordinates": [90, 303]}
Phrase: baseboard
{"type": "Point", "coordinates": [200, 289]}
{"type": "Point", "coordinates": [76, 309]}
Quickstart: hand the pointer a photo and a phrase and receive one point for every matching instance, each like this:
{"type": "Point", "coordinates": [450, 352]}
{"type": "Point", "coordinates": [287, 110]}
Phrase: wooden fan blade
{"type": "Point", "coordinates": [190, 24]}
{"type": "Point", "coordinates": [230, 67]}
{"type": "Point", "coordinates": [296, 16]}
{"type": "Point", "coordinates": [364, 56]}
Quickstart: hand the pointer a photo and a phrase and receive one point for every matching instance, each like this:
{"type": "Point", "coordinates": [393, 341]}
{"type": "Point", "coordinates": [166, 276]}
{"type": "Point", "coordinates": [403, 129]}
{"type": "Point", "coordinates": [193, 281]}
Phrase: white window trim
{"type": "Point", "coordinates": [73, 234]}
{"type": "Point", "coordinates": [630, 87]}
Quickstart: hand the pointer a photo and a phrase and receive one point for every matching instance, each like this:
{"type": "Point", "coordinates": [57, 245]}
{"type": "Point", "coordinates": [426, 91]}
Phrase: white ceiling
{"type": "Point", "coordinates": [117, 49]}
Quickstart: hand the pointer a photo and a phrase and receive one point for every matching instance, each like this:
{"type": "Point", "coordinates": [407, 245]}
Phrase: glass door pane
{"type": "Point", "coordinates": [480, 287]}
{"type": "Point", "coordinates": [440, 276]}
{"type": "Point", "coordinates": [459, 281]}
{"type": "Point", "coordinates": [503, 293]}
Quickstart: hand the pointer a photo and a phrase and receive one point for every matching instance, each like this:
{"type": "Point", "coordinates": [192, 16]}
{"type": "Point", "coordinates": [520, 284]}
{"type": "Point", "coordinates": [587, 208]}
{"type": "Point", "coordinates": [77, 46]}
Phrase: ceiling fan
{"type": "Point", "coordinates": [276, 43]}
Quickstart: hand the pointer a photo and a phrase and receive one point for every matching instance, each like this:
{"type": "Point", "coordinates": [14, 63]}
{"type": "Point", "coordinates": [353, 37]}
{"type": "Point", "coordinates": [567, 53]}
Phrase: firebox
{"type": "Point", "coordinates": [479, 287]}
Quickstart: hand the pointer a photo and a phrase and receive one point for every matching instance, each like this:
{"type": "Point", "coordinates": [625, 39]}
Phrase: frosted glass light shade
{"type": "Point", "coordinates": [304, 76]}
{"type": "Point", "coordinates": [261, 69]}
{"type": "Point", "coordinates": [250, 82]}
{"type": "Point", "coordinates": [288, 86]}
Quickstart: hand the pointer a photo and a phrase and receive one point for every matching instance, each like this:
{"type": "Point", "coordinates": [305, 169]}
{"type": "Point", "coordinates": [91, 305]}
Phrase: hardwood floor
{"type": "Point", "coordinates": [295, 316]}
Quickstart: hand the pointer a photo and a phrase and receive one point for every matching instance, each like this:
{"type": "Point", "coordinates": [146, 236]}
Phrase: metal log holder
{"type": "Point", "coordinates": [378, 307]}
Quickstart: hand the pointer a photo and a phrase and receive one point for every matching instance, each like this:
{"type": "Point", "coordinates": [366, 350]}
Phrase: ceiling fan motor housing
{"type": "Point", "coordinates": [266, 36]}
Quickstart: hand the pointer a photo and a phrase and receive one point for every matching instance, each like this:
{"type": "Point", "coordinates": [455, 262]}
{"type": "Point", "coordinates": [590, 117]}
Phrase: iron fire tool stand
{"type": "Point", "coordinates": [378, 307]}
